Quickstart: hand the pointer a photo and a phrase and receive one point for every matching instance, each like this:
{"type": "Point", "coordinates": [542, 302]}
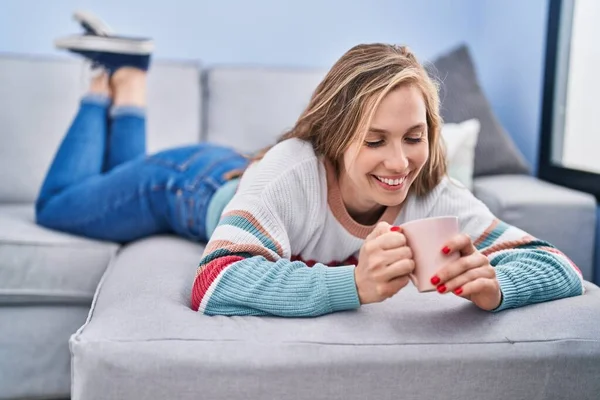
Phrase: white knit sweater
{"type": "Point", "coordinates": [285, 244]}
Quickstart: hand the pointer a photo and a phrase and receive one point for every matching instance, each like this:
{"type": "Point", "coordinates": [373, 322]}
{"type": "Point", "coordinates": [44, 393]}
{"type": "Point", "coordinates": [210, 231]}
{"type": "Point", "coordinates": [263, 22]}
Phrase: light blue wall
{"type": "Point", "coordinates": [295, 32]}
{"type": "Point", "coordinates": [506, 37]}
{"type": "Point", "coordinates": [510, 55]}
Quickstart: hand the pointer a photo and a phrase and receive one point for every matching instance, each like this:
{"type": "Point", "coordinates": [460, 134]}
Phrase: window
{"type": "Point", "coordinates": [570, 136]}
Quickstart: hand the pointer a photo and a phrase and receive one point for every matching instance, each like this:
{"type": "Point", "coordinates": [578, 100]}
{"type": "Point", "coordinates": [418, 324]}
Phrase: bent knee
{"type": "Point", "coordinates": [44, 218]}
{"type": "Point", "coordinates": [49, 216]}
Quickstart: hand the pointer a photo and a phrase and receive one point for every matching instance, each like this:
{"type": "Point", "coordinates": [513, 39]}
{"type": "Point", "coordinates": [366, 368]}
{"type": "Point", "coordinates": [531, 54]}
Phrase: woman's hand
{"type": "Point", "coordinates": [384, 263]}
{"type": "Point", "coordinates": [471, 276]}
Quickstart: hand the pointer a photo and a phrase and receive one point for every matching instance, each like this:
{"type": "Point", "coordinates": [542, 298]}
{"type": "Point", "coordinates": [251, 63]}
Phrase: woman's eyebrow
{"type": "Point", "coordinates": [413, 128]}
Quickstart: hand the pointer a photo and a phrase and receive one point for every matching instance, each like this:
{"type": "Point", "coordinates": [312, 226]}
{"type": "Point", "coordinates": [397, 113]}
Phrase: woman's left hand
{"type": "Point", "coordinates": [471, 276]}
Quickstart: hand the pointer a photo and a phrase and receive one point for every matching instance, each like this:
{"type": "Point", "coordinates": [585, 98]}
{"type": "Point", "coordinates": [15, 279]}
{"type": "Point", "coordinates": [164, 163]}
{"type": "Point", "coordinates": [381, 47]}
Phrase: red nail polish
{"type": "Point", "coordinates": [458, 291]}
{"type": "Point", "coordinates": [435, 280]}
{"type": "Point", "coordinates": [395, 228]}
{"type": "Point", "coordinates": [446, 250]}
{"type": "Point", "coordinates": [441, 288]}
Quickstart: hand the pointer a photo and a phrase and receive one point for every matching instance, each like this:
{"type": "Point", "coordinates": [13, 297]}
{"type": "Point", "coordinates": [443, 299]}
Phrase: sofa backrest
{"type": "Point", "coordinates": [39, 97]}
{"type": "Point", "coordinates": [37, 101]}
{"type": "Point", "coordinates": [244, 107]}
{"type": "Point", "coordinates": [249, 108]}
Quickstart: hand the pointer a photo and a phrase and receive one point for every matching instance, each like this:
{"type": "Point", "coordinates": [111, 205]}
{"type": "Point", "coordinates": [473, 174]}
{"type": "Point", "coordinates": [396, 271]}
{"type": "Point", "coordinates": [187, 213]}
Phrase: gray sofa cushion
{"type": "Point", "coordinates": [462, 98]}
{"type": "Point", "coordinates": [143, 341]}
{"type": "Point", "coordinates": [35, 362]}
{"type": "Point", "coordinates": [33, 122]}
{"type": "Point", "coordinates": [38, 265]}
{"type": "Point", "coordinates": [249, 108]}
{"type": "Point", "coordinates": [546, 211]}
{"type": "Point", "coordinates": [174, 105]}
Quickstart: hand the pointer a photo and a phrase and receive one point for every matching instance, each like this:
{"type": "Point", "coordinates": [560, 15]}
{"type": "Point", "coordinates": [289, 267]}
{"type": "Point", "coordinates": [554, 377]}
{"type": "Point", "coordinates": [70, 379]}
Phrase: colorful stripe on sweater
{"type": "Point", "coordinates": [220, 254]}
{"type": "Point", "coordinates": [507, 247]}
{"type": "Point", "coordinates": [492, 241]}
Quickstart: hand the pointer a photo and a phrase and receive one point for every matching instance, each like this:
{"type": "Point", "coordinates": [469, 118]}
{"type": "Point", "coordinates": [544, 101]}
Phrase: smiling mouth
{"type": "Point", "coordinates": [390, 184]}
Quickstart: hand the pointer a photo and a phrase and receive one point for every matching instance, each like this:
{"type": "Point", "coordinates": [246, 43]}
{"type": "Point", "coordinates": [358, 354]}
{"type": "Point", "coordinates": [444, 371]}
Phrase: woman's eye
{"type": "Point", "coordinates": [376, 143]}
{"type": "Point", "coordinates": [414, 140]}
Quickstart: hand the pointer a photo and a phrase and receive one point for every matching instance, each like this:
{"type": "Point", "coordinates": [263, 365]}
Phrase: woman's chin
{"type": "Point", "coordinates": [391, 200]}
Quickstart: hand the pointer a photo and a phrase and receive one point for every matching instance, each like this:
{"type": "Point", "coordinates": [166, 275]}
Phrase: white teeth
{"type": "Point", "coordinates": [391, 182]}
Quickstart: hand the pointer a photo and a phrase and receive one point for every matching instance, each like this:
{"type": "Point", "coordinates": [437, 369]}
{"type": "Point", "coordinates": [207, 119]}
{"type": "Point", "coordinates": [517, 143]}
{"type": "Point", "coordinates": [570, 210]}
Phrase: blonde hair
{"type": "Point", "coordinates": [345, 101]}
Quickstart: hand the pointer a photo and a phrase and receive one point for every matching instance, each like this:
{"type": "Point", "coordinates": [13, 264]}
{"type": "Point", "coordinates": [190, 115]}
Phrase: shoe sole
{"type": "Point", "coordinates": [95, 23]}
{"type": "Point", "coordinates": [105, 44]}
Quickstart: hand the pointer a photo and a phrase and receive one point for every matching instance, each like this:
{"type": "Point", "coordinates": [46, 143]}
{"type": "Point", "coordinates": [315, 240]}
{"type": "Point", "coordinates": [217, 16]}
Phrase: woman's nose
{"type": "Point", "coordinates": [396, 161]}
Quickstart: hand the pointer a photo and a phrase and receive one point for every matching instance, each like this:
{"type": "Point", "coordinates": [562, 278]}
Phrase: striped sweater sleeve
{"type": "Point", "coordinates": [246, 268]}
{"type": "Point", "coordinates": [529, 270]}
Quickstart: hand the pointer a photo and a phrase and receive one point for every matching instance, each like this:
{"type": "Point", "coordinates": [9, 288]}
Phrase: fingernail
{"type": "Point", "coordinates": [395, 228]}
{"type": "Point", "coordinates": [446, 250]}
{"type": "Point", "coordinates": [435, 280]}
{"type": "Point", "coordinates": [441, 288]}
{"type": "Point", "coordinates": [458, 291]}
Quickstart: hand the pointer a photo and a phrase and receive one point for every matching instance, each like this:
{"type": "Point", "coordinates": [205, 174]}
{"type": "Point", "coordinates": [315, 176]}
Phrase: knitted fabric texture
{"type": "Point", "coordinates": [285, 244]}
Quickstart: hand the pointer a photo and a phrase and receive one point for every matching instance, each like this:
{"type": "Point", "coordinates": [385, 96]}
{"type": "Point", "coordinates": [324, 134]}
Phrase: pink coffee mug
{"type": "Point", "coordinates": [426, 237]}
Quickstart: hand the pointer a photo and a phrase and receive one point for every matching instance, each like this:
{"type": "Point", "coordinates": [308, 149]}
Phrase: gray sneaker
{"type": "Point", "coordinates": [104, 49]}
{"type": "Point", "coordinates": [106, 44]}
{"type": "Point", "coordinates": [92, 24]}
{"type": "Point", "coordinates": [110, 52]}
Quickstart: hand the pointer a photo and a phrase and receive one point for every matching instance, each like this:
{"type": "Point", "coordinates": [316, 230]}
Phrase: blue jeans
{"type": "Point", "coordinates": [102, 185]}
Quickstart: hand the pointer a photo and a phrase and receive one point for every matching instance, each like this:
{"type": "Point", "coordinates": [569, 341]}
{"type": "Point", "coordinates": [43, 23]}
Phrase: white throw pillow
{"type": "Point", "coordinates": [460, 140]}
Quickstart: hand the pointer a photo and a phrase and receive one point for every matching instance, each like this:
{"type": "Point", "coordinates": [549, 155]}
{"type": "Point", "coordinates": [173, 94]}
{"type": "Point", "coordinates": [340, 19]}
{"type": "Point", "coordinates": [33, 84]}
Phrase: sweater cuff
{"type": "Point", "coordinates": [341, 288]}
{"type": "Point", "coordinates": [510, 294]}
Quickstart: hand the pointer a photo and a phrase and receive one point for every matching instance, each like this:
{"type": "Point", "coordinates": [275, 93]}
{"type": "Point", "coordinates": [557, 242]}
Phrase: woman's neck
{"type": "Point", "coordinates": [360, 211]}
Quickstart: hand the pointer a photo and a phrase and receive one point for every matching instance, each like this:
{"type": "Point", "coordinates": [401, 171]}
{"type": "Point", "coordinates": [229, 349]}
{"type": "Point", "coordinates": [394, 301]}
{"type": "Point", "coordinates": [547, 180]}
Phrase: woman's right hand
{"type": "Point", "coordinates": [384, 263]}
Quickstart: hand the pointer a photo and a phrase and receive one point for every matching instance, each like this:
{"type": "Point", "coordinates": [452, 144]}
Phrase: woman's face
{"type": "Point", "coordinates": [392, 155]}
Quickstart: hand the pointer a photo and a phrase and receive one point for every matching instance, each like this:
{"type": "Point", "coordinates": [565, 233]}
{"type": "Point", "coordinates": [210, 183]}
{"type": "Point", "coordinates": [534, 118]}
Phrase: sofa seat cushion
{"type": "Point", "coordinates": [546, 211]}
{"type": "Point", "coordinates": [142, 340]}
{"type": "Point", "coordinates": [42, 265]}
{"type": "Point", "coordinates": [35, 362]}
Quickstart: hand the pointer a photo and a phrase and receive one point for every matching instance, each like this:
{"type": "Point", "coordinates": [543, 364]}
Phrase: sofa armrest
{"type": "Point", "coordinates": [562, 216]}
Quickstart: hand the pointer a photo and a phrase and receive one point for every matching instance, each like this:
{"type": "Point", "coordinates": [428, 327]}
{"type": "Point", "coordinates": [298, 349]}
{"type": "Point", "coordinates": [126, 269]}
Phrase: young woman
{"type": "Point", "coordinates": [312, 225]}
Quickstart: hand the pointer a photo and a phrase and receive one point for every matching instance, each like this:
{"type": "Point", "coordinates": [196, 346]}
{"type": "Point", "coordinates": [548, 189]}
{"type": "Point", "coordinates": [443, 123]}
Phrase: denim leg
{"type": "Point", "coordinates": [122, 205]}
{"type": "Point", "coordinates": [168, 192]}
{"type": "Point", "coordinates": [81, 153]}
{"type": "Point", "coordinates": [202, 169]}
{"type": "Point", "coordinates": [127, 135]}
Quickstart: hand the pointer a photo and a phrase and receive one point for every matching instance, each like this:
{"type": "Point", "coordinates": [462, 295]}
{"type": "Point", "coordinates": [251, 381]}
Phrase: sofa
{"type": "Point", "coordinates": [89, 320]}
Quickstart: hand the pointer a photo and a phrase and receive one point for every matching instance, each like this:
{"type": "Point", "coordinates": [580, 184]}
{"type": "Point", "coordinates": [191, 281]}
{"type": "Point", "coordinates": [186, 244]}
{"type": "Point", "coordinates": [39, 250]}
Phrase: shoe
{"type": "Point", "coordinates": [110, 52]}
{"type": "Point", "coordinates": [91, 24]}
